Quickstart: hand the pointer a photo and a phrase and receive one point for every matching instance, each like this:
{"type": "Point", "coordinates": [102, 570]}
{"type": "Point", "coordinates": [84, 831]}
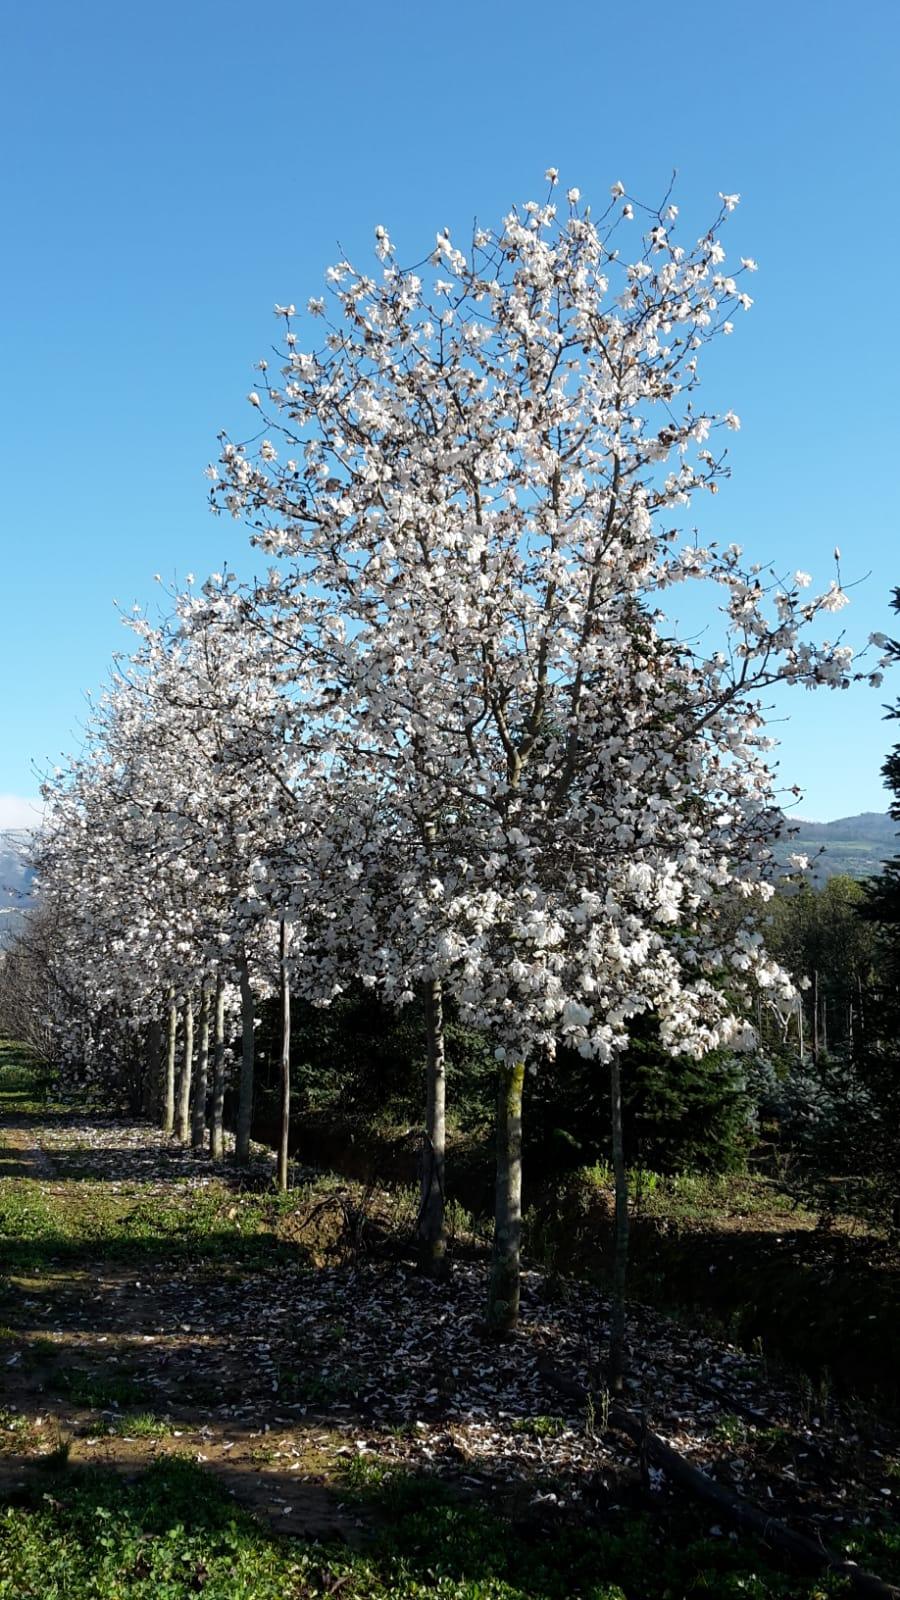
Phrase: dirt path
{"type": "Point", "coordinates": [22, 1157]}
{"type": "Point", "coordinates": [84, 1376]}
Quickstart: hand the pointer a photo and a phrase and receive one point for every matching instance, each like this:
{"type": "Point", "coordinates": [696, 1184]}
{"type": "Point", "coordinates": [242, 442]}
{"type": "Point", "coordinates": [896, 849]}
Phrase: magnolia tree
{"type": "Point", "coordinates": [151, 844]}
{"type": "Point", "coordinates": [219, 810]}
{"type": "Point", "coordinates": [473, 482]}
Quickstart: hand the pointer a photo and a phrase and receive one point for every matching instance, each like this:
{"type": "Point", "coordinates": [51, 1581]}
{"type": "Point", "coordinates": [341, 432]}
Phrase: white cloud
{"type": "Point", "coordinates": [19, 811]}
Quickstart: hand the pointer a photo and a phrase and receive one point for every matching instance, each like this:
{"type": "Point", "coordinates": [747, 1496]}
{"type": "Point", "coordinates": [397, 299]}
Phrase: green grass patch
{"type": "Point", "coordinates": [18, 1433]}
{"type": "Point", "coordinates": [141, 1425]}
{"type": "Point", "coordinates": [539, 1427]}
{"type": "Point", "coordinates": [320, 1388]}
{"type": "Point", "coordinates": [13, 1422]}
{"type": "Point", "coordinates": [24, 1078]}
{"type": "Point", "coordinates": [443, 1543]}
{"type": "Point", "coordinates": [82, 1220]}
{"type": "Point", "coordinates": [732, 1431]}
{"type": "Point", "coordinates": [28, 1218]}
{"type": "Point", "coordinates": [699, 1196]}
{"type": "Point", "coordinates": [174, 1532]}
{"type": "Point", "coordinates": [101, 1393]}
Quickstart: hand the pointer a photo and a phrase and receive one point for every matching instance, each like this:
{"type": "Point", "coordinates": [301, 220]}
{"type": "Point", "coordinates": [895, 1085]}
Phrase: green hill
{"type": "Point", "coordinates": [857, 845]}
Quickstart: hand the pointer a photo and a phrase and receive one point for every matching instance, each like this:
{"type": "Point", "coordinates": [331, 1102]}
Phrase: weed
{"type": "Point", "coordinates": [264, 1454]}
{"type": "Point", "coordinates": [18, 1434]}
{"type": "Point", "coordinates": [364, 1472]}
{"type": "Point", "coordinates": [336, 1331]}
{"type": "Point", "coordinates": [320, 1388]}
{"type": "Point", "coordinates": [41, 1349]}
{"type": "Point", "coordinates": [731, 1430]}
{"type": "Point", "coordinates": [140, 1425]}
{"type": "Point", "coordinates": [14, 1422]}
{"type": "Point", "coordinates": [540, 1427]}
{"type": "Point", "coordinates": [773, 1438]}
{"type": "Point", "coordinates": [101, 1393]}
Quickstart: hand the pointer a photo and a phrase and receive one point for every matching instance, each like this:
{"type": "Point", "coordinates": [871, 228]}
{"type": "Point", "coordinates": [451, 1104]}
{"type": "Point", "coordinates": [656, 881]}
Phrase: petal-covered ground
{"type": "Point", "coordinates": [151, 1305]}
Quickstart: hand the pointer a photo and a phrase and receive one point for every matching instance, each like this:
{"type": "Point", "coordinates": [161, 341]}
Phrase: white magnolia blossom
{"type": "Point", "coordinates": [455, 734]}
{"type": "Point", "coordinates": [476, 536]}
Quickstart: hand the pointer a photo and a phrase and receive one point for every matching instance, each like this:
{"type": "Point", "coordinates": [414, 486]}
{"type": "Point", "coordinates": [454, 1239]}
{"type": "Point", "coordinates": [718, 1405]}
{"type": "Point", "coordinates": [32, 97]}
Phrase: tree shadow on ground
{"type": "Point", "coordinates": [151, 1157]}
{"type": "Point", "coordinates": [214, 1360]}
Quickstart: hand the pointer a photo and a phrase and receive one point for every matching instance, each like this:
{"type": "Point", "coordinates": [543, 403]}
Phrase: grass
{"type": "Point", "coordinates": [692, 1197]}
{"type": "Point", "coordinates": [173, 1532]}
{"type": "Point", "coordinates": [24, 1081]}
{"type": "Point", "coordinates": [99, 1393]}
{"type": "Point", "coordinates": [731, 1430]}
{"type": "Point", "coordinates": [36, 1438]}
{"type": "Point", "coordinates": [539, 1427]}
{"type": "Point", "coordinates": [80, 1223]}
{"type": "Point", "coordinates": [12, 1422]}
{"type": "Point", "coordinates": [85, 1218]}
{"type": "Point", "coordinates": [141, 1425]}
{"type": "Point", "coordinates": [320, 1389]}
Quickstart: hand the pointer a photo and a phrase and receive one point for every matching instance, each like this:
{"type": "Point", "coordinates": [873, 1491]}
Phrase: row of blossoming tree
{"type": "Point", "coordinates": [453, 744]}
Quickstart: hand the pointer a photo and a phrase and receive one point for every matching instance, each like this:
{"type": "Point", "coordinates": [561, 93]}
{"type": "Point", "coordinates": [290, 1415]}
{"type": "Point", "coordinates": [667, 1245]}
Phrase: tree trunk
{"type": "Point", "coordinates": [201, 1086]}
{"type": "Point", "coordinates": [860, 1010]}
{"type": "Point", "coordinates": [503, 1291]}
{"type": "Point", "coordinates": [135, 1055]}
{"type": "Point", "coordinates": [245, 1099]}
{"type": "Point", "coordinates": [618, 1347]}
{"type": "Point", "coordinates": [154, 1068]}
{"type": "Point", "coordinates": [216, 1129]}
{"type": "Point", "coordinates": [816, 1017]}
{"type": "Point", "coordinates": [168, 1094]}
{"type": "Point", "coordinates": [184, 1077]}
{"type": "Point", "coordinates": [432, 1237]}
{"type": "Point", "coordinates": [285, 1062]}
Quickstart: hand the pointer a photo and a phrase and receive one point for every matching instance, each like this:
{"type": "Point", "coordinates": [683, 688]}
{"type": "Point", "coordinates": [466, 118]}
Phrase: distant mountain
{"type": "Point", "coordinates": [15, 876]}
{"type": "Point", "coordinates": [857, 846]}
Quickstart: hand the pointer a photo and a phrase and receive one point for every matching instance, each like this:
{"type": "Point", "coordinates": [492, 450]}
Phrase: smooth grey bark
{"type": "Point", "coordinates": [153, 1068]}
{"type": "Point", "coordinates": [618, 1346]}
{"type": "Point", "coordinates": [503, 1288]}
{"type": "Point", "coordinates": [285, 1061]}
{"type": "Point", "coordinates": [245, 1097]}
{"type": "Point", "coordinates": [201, 1084]}
{"type": "Point", "coordinates": [216, 1126]}
{"type": "Point", "coordinates": [168, 1094]}
{"type": "Point", "coordinates": [432, 1234]}
{"type": "Point", "coordinates": [183, 1097]}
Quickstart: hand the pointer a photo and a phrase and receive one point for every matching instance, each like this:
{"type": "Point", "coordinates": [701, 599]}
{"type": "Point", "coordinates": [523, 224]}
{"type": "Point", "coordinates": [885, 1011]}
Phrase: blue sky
{"type": "Point", "coordinates": [172, 170]}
